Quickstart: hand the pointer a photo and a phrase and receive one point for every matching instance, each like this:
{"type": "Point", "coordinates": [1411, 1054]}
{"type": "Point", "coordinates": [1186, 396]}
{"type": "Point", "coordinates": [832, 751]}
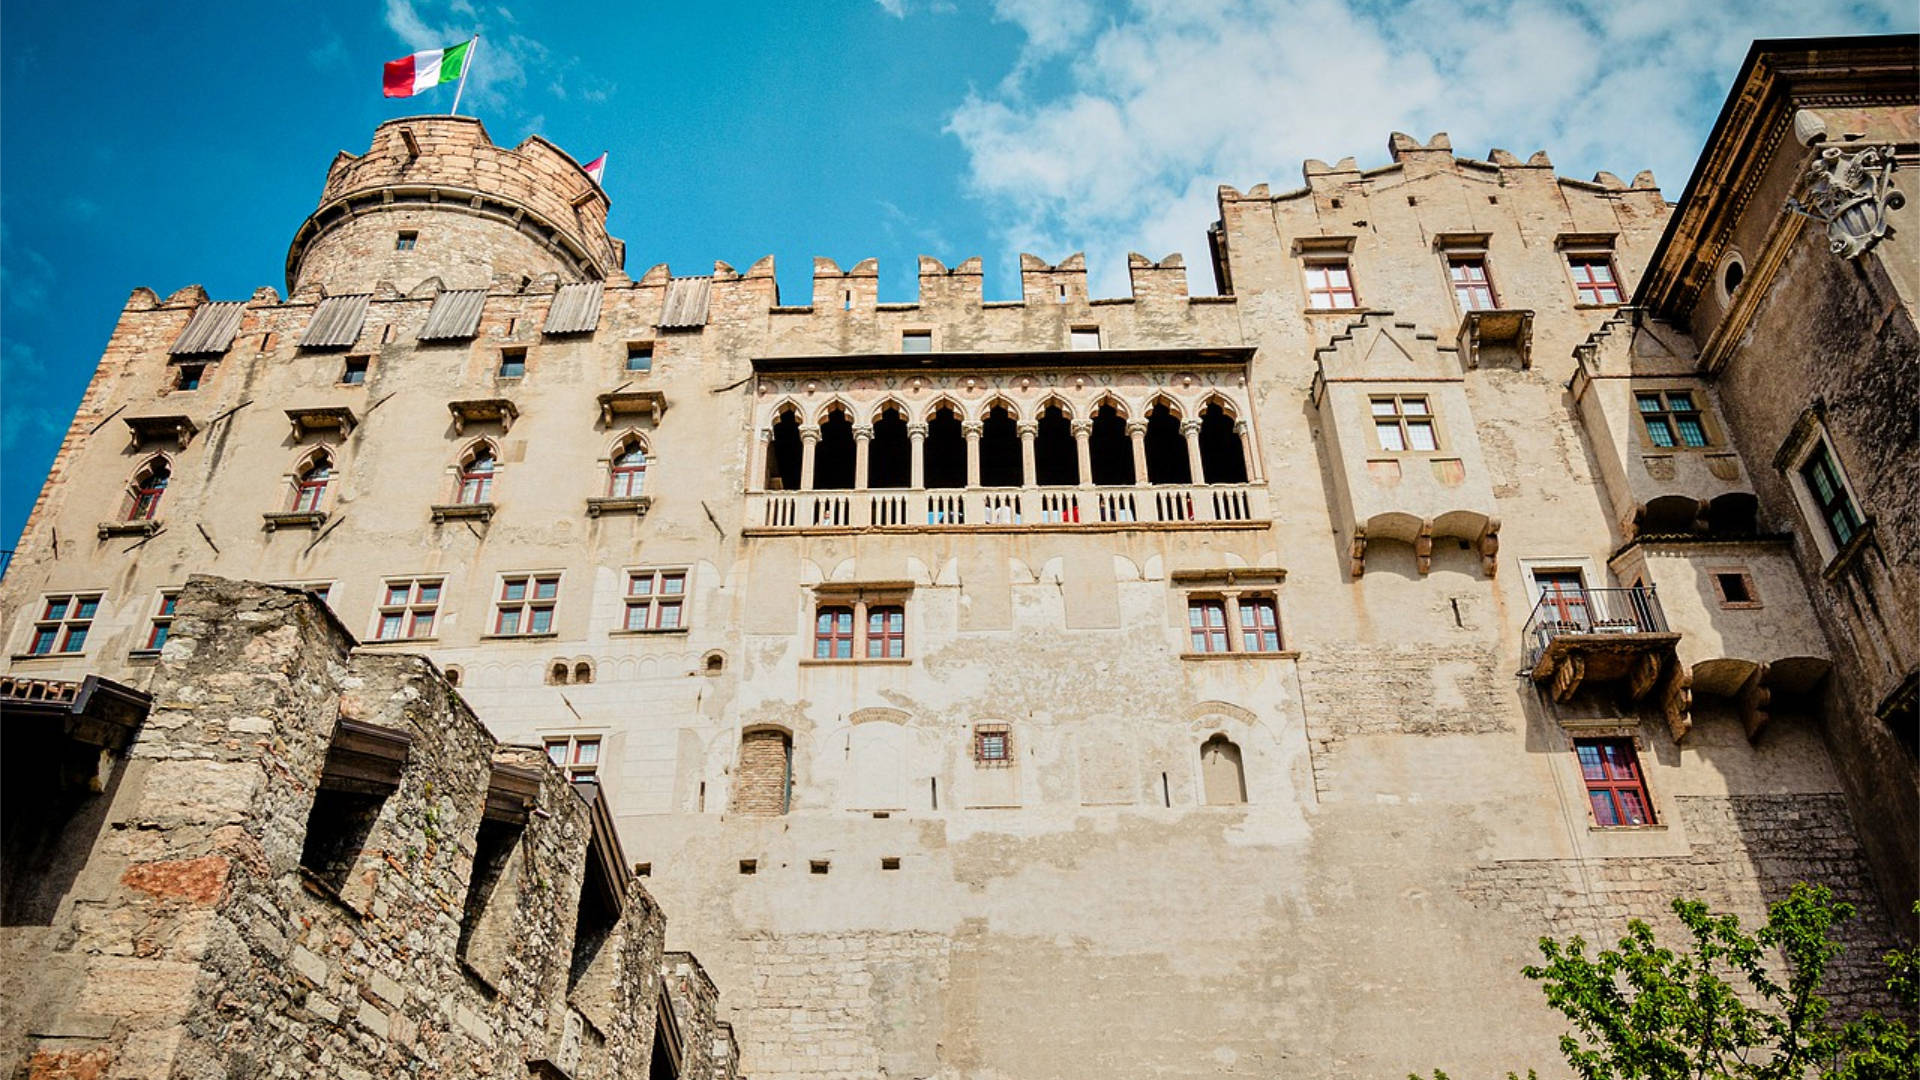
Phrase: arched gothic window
{"type": "Point", "coordinates": [1166, 448]}
{"type": "Point", "coordinates": [310, 486]}
{"type": "Point", "coordinates": [476, 477]}
{"type": "Point", "coordinates": [149, 484]}
{"type": "Point", "coordinates": [1056, 455]}
{"type": "Point", "coordinates": [627, 475]}
{"type": "Point", "coordinates": [1221, 772]}
{"type": "Point", "coordinates": [784, 453]}
{"type": "Point", "coordinates": [1222, 457]}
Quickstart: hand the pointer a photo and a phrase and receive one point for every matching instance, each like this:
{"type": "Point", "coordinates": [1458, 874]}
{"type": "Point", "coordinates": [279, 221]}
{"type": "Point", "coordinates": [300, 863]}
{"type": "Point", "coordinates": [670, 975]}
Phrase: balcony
{"type": "Point", "coordinates": [1159, 506]}
{"type": "Point", "coordinates": [1574, 639]}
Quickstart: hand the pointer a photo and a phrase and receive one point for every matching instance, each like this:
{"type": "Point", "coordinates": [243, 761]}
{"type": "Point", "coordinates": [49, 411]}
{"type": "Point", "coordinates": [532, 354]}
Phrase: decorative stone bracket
{"type": "Point", "coordinates": [1497, 333]}
{"type": "Point", "coordinates": [637, 505]}
{"type": "Point", "coordinates": [483, 411]}
{"type": "Point", "coordinates": [178, 429]}
{"type": "Point", "coordinates": [648, 403]}
{"type": "Point", "coordinates": [1487, 544]}
{"type": "Point", "coordinates": [445, 512]}
{"type": "Point", "coordinates": [137, 527]}
{"type": "Point", "coordinates": [326, 418]}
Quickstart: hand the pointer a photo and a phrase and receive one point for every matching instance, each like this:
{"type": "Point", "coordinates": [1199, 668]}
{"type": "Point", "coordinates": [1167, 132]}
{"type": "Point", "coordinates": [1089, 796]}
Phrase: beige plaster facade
{"type": "Point", "coordinates": [928, 663]}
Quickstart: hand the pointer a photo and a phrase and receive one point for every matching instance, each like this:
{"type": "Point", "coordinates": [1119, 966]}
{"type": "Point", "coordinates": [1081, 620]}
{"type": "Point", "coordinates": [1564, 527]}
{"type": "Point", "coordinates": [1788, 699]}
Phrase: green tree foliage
{"type": "Point", "coordinates": [1714, 1011]}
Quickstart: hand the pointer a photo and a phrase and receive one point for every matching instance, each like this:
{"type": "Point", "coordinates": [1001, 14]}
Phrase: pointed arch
{"type": "Point", "coordinates": [311, 476]}
{"type": "Point", "coordinates": [1162, 399]}
{"type": "Point", "coordinates": [1223, 453]}
{"type": "Point", "coordinates": [944, 454]}
{"type": "Point", "coordinates": [1221, 402]}
{"type": "Point", "coordinates": [1056, 454]}
{"type": "Point", "coordinates": [473, 483]}
{"type": "Point", "coordinates": [1000, 454]}
{"type": "Point", "coordinates": [890, 449]}
{"type": "Point", "coordinates": [148, 485]}
{"type": "Point", "coordinates": [891, 401]}
{"type": "Point", "coordinates": [1166, 445]}
{"type": "Point", "coordinates": [1107, 399]}
{"type": "Point", "coordinates": [834, 404]}
{"type": "Point", "coordinates": [627, 465]}
{"type": "Point", "coordinates": [1056, 400]}
{"type": "Point", "coordinates": [834, 457]}
{"type": "Point", "coordinates": [1222, 773]}
{"type": "Point", "coordinates": [785, 454]}
{"type": "Point", "coordinates": [1109, 446]}
{"type": "Point", "coordinates": [943, 400]}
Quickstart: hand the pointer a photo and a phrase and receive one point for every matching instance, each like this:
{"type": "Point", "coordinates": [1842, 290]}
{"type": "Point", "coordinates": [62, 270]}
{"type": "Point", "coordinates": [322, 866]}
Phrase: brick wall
{"type": "Point", "coordinates": [760, 786]}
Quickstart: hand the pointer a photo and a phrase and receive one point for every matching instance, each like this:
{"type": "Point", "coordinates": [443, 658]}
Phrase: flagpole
{"type": "Point", "coordinates": [474, 47]}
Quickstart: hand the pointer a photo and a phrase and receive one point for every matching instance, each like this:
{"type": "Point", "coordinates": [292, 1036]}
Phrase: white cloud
{"type": "Point", "coordinates": [499, 66]}
{"type": "Point", "coordinates": [1158, 101]}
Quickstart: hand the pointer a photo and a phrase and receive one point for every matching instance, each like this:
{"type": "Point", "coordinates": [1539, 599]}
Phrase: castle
{"type": "Point", "coordinates": [1168, 684]}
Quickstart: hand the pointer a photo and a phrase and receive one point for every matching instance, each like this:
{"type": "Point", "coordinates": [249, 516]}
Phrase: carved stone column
{"type": "Point", "coordinates": [762, 454]}
{"type": "Point", "coordinates": [917, 435]}
{"type": "Point", "coordinates": [1029, 473]}
{"type": "Point", "coordinates": [1083, 449]}
{"type": "Point", "coordinates": [1137, 433]}
{"type": "Point", "coordinates": [972, 430]}
{"type": "Point", "coordinates": [862, 447]}
{"type": "Point", "coordinates": [1195, 467]}
{"type": "Point", "coordinates": [1245, 431]}
{"type": "Point", "coordinates": [809, 444]}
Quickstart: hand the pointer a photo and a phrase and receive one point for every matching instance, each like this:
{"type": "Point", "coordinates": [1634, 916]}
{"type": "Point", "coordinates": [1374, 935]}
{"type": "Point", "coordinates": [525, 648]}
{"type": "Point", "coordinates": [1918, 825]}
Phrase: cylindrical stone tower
{"type": "Point", "coordinates": [434, 197]}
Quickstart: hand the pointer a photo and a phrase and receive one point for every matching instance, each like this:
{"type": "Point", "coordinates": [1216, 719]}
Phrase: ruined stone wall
{"type": "Point", "coordinates": [196, 940]}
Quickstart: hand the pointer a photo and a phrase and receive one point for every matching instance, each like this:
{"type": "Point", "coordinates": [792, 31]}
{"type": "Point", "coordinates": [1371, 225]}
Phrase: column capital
{"type": "Point", "coordinates": [1190, 427]}
{"type": "Point", "coordinates": [766, 434]}
{"type": "Point", "coordinates": [1026, 429]}
{"type": "Point", "coordinates": [917, 430]}
{"type": "Point", "coordinates": [1136, 428]}
{"type": "Point", "coordinates": [971, 428]}
{"type": "Point", "coordinates": [810, 433]}
{"type": "Point", "coordinates": [1241, 427]}
{"type": "Point", "coordinates": [1081, 428]}
{"type": "Point", "coordinates": [862, 432]}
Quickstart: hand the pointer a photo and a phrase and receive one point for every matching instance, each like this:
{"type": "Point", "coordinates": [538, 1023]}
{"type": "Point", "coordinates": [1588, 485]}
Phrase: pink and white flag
{"type": "Point", "coordinates": [597, 169]}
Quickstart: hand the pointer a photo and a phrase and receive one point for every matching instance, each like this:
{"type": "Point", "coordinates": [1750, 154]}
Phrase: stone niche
{"type": "Point", "coordinates": [1655, 428]}
{"type": "Point", "coordinates": [1406, 458]}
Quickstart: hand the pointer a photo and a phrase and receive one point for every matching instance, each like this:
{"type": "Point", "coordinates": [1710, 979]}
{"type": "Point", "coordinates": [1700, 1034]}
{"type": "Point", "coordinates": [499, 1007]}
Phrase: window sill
{"type": "Point", "coordinates": [541, 636]}
{"type": "Point", "coordinates": [143, 527]}
{"type": "Point", "coordinates": [1599, 307]}
{"type": "Point", "coordinates": [462, 512]}
{"type": "Point", "coordinates": [18, 657]}
{"type": "Point", "coordinates": [645, 631]}
{"type": "Point", "coordinates": [400, 641]}
{"type": "Point", "coordinates": [637, 505]}
{"type": "Point", "coordinates": [1655, 827]}
{"type": "Point", "coordinates": [298, 519]}
{"type": "Point", "coordinates": [887, 661]}
{"type": "Point", "coordinates": [142, 656]}
{"type": "Point", "coordinates": [1283, 654]}
{"type": "Point", "coordinates": [1847, 556]}
{"type": "Point", "coordinates": [1335, 310]}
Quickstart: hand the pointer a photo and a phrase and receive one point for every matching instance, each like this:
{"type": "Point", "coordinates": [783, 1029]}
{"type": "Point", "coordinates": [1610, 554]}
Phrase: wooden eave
{"type": "Point", "coordinates": [1227, 356]}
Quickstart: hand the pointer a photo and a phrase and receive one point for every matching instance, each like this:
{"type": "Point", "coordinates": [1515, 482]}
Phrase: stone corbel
{"type": "Point", "coordinates": [1567, 676]}
{"type": "Point", "coordinates": [1644, 675]}
{"type": "Point", "coordinates": [1678, 700]}
{"type": "Point", "coordinates": [1358, 555]}
{"type": "Point", "coordinates": [1423, 547]}
{"type": "Point", "coordinates": [1490, 548]}
{"type": "Point", "coordinates": [1755, 700]}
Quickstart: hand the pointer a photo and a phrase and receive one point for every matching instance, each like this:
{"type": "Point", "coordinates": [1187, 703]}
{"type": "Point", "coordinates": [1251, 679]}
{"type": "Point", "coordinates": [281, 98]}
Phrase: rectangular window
{"type": "Point", "coordinates": [1085, 338]}
{"type": "Point", "coordinates": [1564, 592]}
{"type": "Point", "coordinates": [640, 356]}
{"type": "Point", "coordinates": [886, 632]}
{"type": "Point", "coordinates": [1330, 286]}
{"type": "Point", "coordinates": [916, 341]}
{"type": "Point", "coordinates": [1829, 493]}
{"type": "Point", "coordinates": [526, 604]}
{"type": "Point", "coordinates": [321, 590]}
{"type": "Point", "coordinates": [1615, 788]}
{"type": "Point", "coordinates": [355, 372]}
{"type": "Point", "coordinates": [655, 599]}
{"type": "Point", "coordinates": [1259, 624]}
{"type": "Point", "coordinates": [992, 745]}
{"type": "Point", "coordinates": [188, 377]}
{"type": "Point", "coordinates": [1593, 280]}
{"type": "Point", "coordinates": [405, 240]}
{"type": "Point", "coordinates": [408, 607]}
{"type": "Point", "coordinates": [1404, 422]}
{"type": "Point", "coordinates": [577, 756]}
{"type": "Point", "coordinates": [513, 363]}
{"type": "Point", "coordinates": [833, 633]}
{"type": "Point", "coordinates": [1207, 625]}
{"type": "Point", "coordinates": [1671, 417]}
{"type": "Point", "coordinates": [162, 625]}
{"type": "Point", "coordinates": [1471, 286]}
{"type": "Point", "coordinates": [63, 624]}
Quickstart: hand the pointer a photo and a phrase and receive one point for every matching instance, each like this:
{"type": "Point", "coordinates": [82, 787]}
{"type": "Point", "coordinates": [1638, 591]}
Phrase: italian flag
{"type": "Point", "coordinates": [410, 75]}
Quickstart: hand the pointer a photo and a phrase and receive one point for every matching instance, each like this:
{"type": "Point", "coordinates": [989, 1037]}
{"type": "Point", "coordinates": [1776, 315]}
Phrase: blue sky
{"type": "Point", "coordinates": [168, 146]}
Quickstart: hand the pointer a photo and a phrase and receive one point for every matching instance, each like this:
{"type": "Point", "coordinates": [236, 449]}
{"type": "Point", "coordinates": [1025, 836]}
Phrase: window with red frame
{"type": "Point", "coordinates": [1615, 788]}
{"type": "Point", "coordinates": [1471, 286]}
{"type": "Point", "coordinates": [407, 609]}
{"type": "Point", "coordinates": [63, 624]}
{"type": "Point", "coordinates": [1593, 280]}
{"type": "Point", "coordinates": [833, 633]}
{"type": "Point", "coordinates": [628, 475]}
{"type": "Point", "coordinates": [1259, 624]}
{"type": "Point", "coordinates": [1565, 593]}
{"type": "Point", "coordinates": [526, 604]}
{"type": "Point", "coordinates": [654, 599]}
{"type": "Point", "coordinates": [886, 632]}
{"type": "Point", "coordinates": [476, 478]}
{"type": "Point", "coordinates": [1207, 625]}
{"type": "Point", "coordinates": [149, 484]}
{"type": "Point", "coordinates": [162, 625]}
{"type": "Point", "coordinates": [311, 489]}
{"type": "Point", "coordinates": [1330, 285]}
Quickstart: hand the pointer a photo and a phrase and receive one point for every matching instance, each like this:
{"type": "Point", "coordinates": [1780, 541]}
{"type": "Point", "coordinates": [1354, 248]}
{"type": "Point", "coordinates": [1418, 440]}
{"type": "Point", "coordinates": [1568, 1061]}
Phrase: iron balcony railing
{"type": "Point", "coordinates": [1633, 610]}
